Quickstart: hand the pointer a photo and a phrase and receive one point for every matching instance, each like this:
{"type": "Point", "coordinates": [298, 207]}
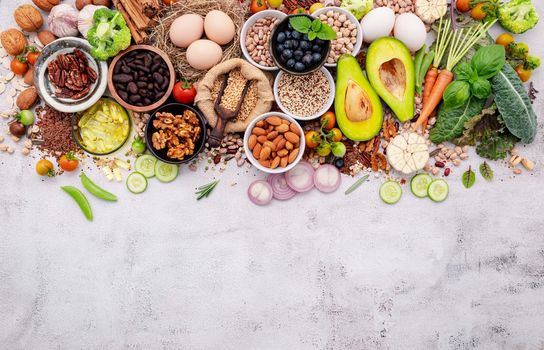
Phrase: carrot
{"type": "Point", "coordinates": [430, 80]}
{"type": "Point", "coordinates": [442, 81]}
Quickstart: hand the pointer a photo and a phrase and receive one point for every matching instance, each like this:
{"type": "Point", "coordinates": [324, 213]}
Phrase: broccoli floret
{"type": "Point", "coordinates": [518, 16]}
{"type": "Point", "coordinates": [531, 62]}
{"type": "Point", "coordinates": [108, 35]}
{"type": "Point", "coordinates": [358, 8]}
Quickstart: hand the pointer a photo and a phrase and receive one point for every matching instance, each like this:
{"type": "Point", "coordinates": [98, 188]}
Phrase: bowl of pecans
{"type": "Point", "coordinates": [67, 77]}
{"type": "Point", "coordinates": [176, 133]}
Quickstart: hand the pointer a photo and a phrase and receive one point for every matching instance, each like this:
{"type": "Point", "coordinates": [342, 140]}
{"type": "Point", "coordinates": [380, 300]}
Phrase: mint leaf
{"type": "Point", "coordinates": [312, 35]}
{"type": "Point", "coordinates": [301, 24]}
{"type": "Point", "coordinates": [326, 32]}
{"type": "Point", "coordinates": [316, 25]}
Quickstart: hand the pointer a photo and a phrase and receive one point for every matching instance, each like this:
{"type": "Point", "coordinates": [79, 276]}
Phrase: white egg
{"type": "Point", "coordinates": [186, 29]}
{"type": "Point", "coordinates": [204, 54]}
{"type": "Point", "coordinates": [219, 27]}
{"type": "Point", "coordinates": [410, 29]}
{"type": "Point", "coordinates": [377, 23]}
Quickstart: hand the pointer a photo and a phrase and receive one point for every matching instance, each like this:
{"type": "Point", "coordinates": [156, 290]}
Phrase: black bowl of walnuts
{"type": "Point", "coordinates": [294, 52]}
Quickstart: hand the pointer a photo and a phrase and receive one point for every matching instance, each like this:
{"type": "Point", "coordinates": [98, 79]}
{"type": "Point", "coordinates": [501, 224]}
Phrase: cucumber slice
{"type": "Point", "coordinates": [390, 192]}
{"type": "Point", "coordinates": [165, 172]}
{"type": "Point", "coordinates": [420, 184]}
{"type": "Point", "coordinates": [438, 190]}
{"type": "Point", "coordinates": [145, 164]}
{"type": "Point", "coordinates": [136, 182]}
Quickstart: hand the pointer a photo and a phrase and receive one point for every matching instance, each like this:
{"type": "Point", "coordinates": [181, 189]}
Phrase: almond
{"type": "Point", "coordinates": [258, 131]}
{"type": "Point", "coordinates": [275, 163]}
{"type": "Point", "coordinates": [281, 144]}
{"type": "Point", "coordinates": [294, 129]}
{"type": "Point", "coordinates": [257, 151]}
{"type": "Point", "coordinates": [27, 98]}
{"type": "Point", "coordinates": [262, 139]}
{"type": "Point", "coordinates": [283, 152]}
{"type": "Point", "coordinates": [270, 145]}
{"type": "Point", "coordinates": [265, 163]}
{"type": "Point", "coordinates": [282, 128]}
{"type": "Point", "coordinates": [272, 135]}
{"type": "Point", "coordinates": [292, 137]}
{"type": "Point", "coordinates": [277, 139]}
{"type": "Point", "coordinates": [284, 161]}
{"type": "Point", "coordinates": [289, 145]}
{"type": "Point", "coordinates": [260, 123]}
{"type": "Point", "coordinates": [293, 155]}
{"type": "Point", "coordinates": [275, 120]}
{"type": "Point", "coordinates": [265, 153]}
{"type": "Point", "coordinates": [45, 37]}
{"type": "Point", "coordinates": [29, 76]}
{"type": "Point", "coordinates": [252, 141]}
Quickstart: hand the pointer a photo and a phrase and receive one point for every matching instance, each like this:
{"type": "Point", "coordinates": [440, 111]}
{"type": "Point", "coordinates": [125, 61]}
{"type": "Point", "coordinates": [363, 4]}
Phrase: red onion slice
{"type": "Point", "coordinates": [260, 192]}
{"type": "Point", "coordinates": [301, 177]}
{"type": "Point", "coordinates": [327, 178]}
{"type": "Point", "coordinates": [280, 189]}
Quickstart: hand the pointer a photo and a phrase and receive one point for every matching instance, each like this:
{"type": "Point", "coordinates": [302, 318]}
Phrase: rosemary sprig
{"type": "Point", "coordinates": [356, 184]}
{"type": "Point", "coordinates": [205, 190]}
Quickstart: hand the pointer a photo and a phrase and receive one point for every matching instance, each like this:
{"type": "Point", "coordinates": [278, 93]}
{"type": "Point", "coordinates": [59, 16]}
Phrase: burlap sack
{"type": "Point", "coordinates": [205, 101]}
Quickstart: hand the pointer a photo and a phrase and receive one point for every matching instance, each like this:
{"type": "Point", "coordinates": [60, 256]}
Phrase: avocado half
{"type": "Point", "coordinates": [390, 70]}
{"type": "Point", "coordinates": [358, 108]}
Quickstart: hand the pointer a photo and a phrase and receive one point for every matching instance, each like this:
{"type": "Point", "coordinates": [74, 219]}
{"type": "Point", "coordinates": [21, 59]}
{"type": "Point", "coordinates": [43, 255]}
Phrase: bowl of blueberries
{"type": "Point", "coordinates": [293, 52]}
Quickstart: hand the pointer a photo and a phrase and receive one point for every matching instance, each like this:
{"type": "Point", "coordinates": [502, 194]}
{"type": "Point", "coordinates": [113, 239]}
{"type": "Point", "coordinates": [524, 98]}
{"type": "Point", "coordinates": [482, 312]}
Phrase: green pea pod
{"type": "Point", "coordinates": [96, 190]}
{"type": "Point", "coordinates": [418, 59]}
{"type": "Point", "coordinates": [80, 199]}
{"type": "Point", "coordinates": [424, 68]}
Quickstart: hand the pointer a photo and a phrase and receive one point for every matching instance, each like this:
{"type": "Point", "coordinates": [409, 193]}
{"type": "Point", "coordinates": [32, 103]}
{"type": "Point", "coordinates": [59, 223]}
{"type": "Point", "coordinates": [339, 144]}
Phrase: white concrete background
{"type": "Point", "coordinates": [163, 271]}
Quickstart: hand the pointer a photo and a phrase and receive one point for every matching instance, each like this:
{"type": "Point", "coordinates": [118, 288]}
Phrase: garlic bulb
{"type": "Point", "coordinates": [62, 20]}
{"type": "Point", "coordinates": [85, 18]}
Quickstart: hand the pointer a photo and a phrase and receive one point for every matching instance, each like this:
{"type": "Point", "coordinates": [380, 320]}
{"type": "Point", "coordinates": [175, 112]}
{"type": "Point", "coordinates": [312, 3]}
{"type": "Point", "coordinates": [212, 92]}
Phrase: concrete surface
{"type": "Point", "coordinates": [163, 271]}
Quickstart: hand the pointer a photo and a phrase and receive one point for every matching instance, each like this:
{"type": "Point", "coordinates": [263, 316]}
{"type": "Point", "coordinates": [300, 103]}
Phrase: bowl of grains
{"type": "Point", "coordinates": [176, 133]}
{"type": "Point", "coordinates": [304, 97]}
{"type": "Point", "coordinates": [255, 38]}
{"type": "Point", "coordinates": [349, 35]}
{"type": "Point", "coordinates": [274, 142]}
{"type": "Point", "coordinates": [67, 77]}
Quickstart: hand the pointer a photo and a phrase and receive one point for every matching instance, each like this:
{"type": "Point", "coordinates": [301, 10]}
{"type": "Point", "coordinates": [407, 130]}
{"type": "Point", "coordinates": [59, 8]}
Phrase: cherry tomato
{"type": "Point", "coordinates": [68, 162]}
{"type": "Point", "coordinates": [297, 11]}
{"type": "Point", "coordinates": [316, 6]}
{"type": "Point", "coordinates": [184, 92]}
{"type": "Point", "coordinates": [520, 50]}
{"type": "Point", "coordinates": [505, 40]}
{"type": "Point", "coordinates": [19, 65]}
{"type": "Point", "coordinates": [335, 134]}
{"type": "Point", "coordinates": [462, 5]}
{"type": "Point", "coordinates": [312, 139]}
{"type": "Point", "coordinates": [324, 149]}
{"type": "Point", "coordinates": [478, 12]}
{"type": "Point", "coordinates": [258, 6]}
{"type": "Point", "coordinates": [523, 74]}
{"type": "Point", "coordinates": [32, 55]}
{"type": "Point", "coordinates": [328, 120]}
{"type": "Point", "coordinates": [45, 168]}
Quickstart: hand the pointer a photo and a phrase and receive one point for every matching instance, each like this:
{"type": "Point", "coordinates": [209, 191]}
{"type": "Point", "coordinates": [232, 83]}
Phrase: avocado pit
{"type": "Point", "coordinates": [358, 106]}
{"type": "Point", "coordinates": [393, 77]}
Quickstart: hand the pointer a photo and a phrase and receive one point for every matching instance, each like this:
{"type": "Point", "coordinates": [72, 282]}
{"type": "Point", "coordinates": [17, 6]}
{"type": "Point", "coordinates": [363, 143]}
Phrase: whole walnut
{"type": "Point", "coordinates": [46, 5]}
{"type": "Point", "coordinates": [28, 18]}
{"type": "Point", "coordinates": [13, 41]}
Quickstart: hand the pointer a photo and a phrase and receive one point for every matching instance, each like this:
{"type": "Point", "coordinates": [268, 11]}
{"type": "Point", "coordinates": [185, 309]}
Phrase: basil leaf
{"type": "Point", "coordinates": [463, 71]}
{"type": "Point", "coordinates": [326, 32]}
{"type": "Point", "coordinates": [301, 24]}
{"type": "Point", "coordinates": [316, 25]}
{"type": "Point", "coordinates": [456, 94]}
{"type": "Point", "coordinates": [488, 60]}
{"type": "Point", "coordinates": [481, 88]}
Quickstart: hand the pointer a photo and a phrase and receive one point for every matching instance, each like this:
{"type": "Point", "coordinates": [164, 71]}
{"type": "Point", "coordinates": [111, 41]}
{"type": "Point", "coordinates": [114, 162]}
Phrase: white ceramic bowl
{"type": "Point", "coordinates": [254, 161]}
{"type": "Point", "coordinates": [351, 17]}
{"type": "Point", "coordinates": [46, 89]}
{"type": "Point", "coordinates": [326, 107]}
{"type": "Point", "coordinates": [251, 20]}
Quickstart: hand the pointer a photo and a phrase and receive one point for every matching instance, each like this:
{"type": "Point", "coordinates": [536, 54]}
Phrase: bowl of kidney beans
{"type": "Point", "coordinates": [141, 78]}
{"type": "Point", "coordinates": [293, 52]}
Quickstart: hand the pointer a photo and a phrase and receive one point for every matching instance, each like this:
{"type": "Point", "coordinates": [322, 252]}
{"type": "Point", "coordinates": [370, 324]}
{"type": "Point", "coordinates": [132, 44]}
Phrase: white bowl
{"type": "Point", "coordinates": [351, 17]}
{"type": "Point", "coordinates": [325, 108]}
{"type": "Point", "coordinates": [46, 89]}
{"type": "Point", "coordinates": [251, 20]}
{"type": "Point", "coordinates": [254, 161]}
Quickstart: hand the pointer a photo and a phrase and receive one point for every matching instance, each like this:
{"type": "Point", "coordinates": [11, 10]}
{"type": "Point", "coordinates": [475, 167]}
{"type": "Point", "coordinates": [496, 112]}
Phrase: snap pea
{"type": "Point", "coordinates": [80, 199]}
{"type": "Point", "coordinates": [424, 68]}
{"type": "Point", "coordinates": [96, 190]}
{"type": "Point", "coordinates": [418, 59]}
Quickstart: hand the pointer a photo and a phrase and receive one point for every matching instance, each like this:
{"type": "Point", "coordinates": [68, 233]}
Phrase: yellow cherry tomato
{"type": "Point", "coordinates": [312, 139]}
{"type": "Point", "coordinates": [478, 12]}
{"type": "Point", "coordinates": [45, 168]}
{"type": "Point", "coordinates": [335, 134]}
{"type": "Point", "coordinates": [505, 39]}
{"type": "Point", "coordinates": [328, 120]}
{"type": "Point", "coordinates": [523, 74]}
{"type": "Point", "coordinates": [316, 7]}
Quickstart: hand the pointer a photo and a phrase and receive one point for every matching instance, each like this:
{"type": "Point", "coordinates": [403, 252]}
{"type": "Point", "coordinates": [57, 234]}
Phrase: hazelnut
{"type": "Point", "coordinates": [45, 37]}
{"type": "Point", "coordinates": [13, 41]}
{"type": "Point", "coordinates": [27, 98]}
{"type": "Point", "coordinates": [28, 18]}
{"type": "Point", "coordinates": [46, 5]}
{"type": "Point", "coordinates": [29, 76]}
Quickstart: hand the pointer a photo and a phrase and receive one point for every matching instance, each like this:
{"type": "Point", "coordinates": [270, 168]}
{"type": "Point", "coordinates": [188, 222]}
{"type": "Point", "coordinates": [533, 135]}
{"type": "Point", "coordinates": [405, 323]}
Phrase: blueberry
{"type": "Point", "coordinates": [287, 53]}
{"type": "Point", "coordinates": [299, 67]}
{"type": "Point", "coordinates": [316, 48]}
{"type": "Point", "coordinates": [305, 45]}
{"type": "Point", "coordinates": [290, 63]}
{"type": "Point", "coordinates": [280, 48]}
{"type": "Point", "coordinates": [289, 26]}
{"type": "Point", "coordinates": [294, 43]}
{"type": "Point", "coordinates": [307, 59]}
{"type": "Point", "coordinates": [298, 54]}
{"type": "Point", "coordinates": [339, 163]}
{"type": "Point", "coordinates": [283, 58]}
{"type": "Point", "coordinates": [288, 34]}
{"type": "Point", "coordinates": [316, 57]}
{"type": "Point", "coordinates": [281, 37]}
{"type": "Point", "coordinates": [308, 53]}
{"type": "Point", "coordinates": [287, 44]}
{"type": "Point", "coordinates": [295, 35]}
{"type": "Point", "coordinates": [305, 37]}
{"type": "Point", "coordinates": [319, 42]}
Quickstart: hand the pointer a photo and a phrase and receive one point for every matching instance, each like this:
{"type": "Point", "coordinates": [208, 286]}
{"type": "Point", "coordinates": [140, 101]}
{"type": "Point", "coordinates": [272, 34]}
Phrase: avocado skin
{"type": "Point", "coordinates": [383, 50]}
{"type": "Point", "coordinates": [349, 69]}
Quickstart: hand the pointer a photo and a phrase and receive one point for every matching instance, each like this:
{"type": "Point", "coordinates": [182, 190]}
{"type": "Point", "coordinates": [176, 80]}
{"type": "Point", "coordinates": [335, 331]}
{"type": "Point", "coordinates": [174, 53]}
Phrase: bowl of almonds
{"type": "Point", "coordinates": [255, 38]}
{"type": "Point", "coordinates": [274, 142]}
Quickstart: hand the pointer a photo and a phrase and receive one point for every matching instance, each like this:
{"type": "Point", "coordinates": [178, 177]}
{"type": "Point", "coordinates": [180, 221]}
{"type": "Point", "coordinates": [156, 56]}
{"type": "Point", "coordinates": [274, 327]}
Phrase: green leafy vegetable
{"type": "Point", "coordinates": [481, 88]}
{"type": "Point", "coordinates": [358, 8]}
{"type": "Point", "coordinates": [488, 60]}
{"type": "Point", "coordinates": [495, 145]}
{"type": "Point", "coordinates": [205, 190]}
{"type": "Point", "coordinates": [456, 94]}
{"type": "Point", "coordinates": [464, 72]}
{"type": "Point", "coordinates": [486, 171]}
{"type": "Point", "coordinates": [518, 16]}
{"type": "Point", "coordinates": [514, 104]}
{"type": "Point", "coordinates": [109, 34]}
{"type": "Point", "coordinates": [450, 121]}
{"type": "Point", "coordinates": [314, 29]}
{"type": "Point", "coordinates": [468, 178]}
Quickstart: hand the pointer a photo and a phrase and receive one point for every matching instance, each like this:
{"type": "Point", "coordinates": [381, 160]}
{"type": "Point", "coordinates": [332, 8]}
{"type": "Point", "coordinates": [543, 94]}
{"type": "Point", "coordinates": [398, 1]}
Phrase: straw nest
{"type": "Point", "coordinates": [160, 37]}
